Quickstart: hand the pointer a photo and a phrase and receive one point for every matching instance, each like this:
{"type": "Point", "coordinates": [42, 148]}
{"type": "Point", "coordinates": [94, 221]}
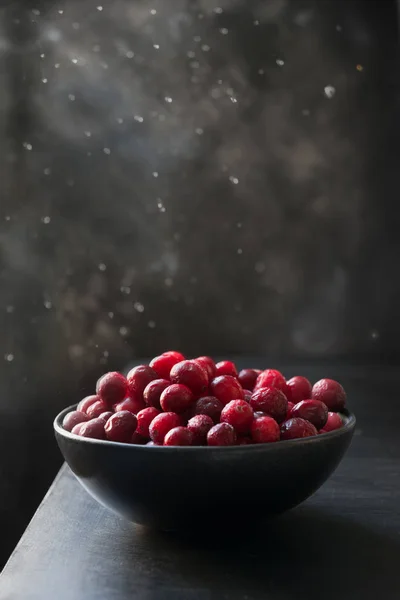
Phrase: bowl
{"type": "Point", "coordinates": [176, 488]}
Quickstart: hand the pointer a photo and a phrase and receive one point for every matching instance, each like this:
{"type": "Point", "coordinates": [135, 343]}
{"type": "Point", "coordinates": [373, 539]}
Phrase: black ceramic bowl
{"type": "Point", "coordinates": [183, 487]}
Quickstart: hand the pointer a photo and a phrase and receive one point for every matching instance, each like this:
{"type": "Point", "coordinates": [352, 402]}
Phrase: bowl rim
{"type": "Point", "coordinates": [348, 427]}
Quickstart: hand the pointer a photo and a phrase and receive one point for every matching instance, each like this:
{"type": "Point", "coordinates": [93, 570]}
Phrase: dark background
{"type": "Point", "coordinates": [213, 176]}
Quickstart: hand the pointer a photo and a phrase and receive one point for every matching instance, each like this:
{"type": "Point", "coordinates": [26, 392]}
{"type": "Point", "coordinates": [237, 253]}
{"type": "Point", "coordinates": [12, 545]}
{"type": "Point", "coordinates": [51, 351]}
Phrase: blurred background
{"type": "Point", "coordinates": [210, 176]}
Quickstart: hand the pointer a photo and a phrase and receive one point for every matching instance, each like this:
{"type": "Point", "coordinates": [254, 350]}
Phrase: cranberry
{"type": "Point", "coordinates": [96, 409]}
{"type": "Point", "coordinates": [210, 406]}
{"type": "Point", "coordinates": [121, 426]}
{"type": "Point", "coordinates": [134, 405]}
{"type": "Point", "coordinates": [244, 441]}
{"type": "Point", "coordinates": [297, 428]}
{"type": "Point", "coordinates": [226, 367]}
{"type": "Point", "coordinates": [299, 388]}
{"type": "Point", "coordinates": [265, 430]}
{"type": "Point", "coordinates": [247, 395]}
{"type": "Point", "coordinates": [179, 436]}
{"type": "Point", "coordinates": [331, 393]}
{"type": "Point", "coordinates": [112, 387]}
{"type": "Point", "coordinates": [86, 402]}
{"type": "Point", "coordinates": [179, 357]}
{"type": "Point", "coordinates": [227, 388]}
{"type": "Point", "coordinates": [176, 398]}
{"type": "Point", "coordinates": [271, 401]}
{"type": "Point", "coordinates": [161, 424]}
{"type": "Point", "coordinates": [77, 429]}
{"type": "Point", "coordinates": [271, 378]}
{"type": "Point", "coordinates": [163, 364]}
{"type": "Point", "coordinates": [153, 391]}
{"type": "Point", "coordinates": [221, 434]}
{"type": "Point", "coordinates": [239, 414]}
{"type": "Point", "coordinates": [105, 416]}
{"type": "Point", "coordinates": [200, 425]}
{"type": "Point", "coordinates": [311, 410]}
{"type": "Point", "coordinates": [144, 418]}
{"type": "Point", "coordinates": [248, 377]}
{"type": "Point", "coordinates": [208, 364]}
{"type": "Point", "coordinates": [333, 422]}
{"type": "Point", "coordinates": [74, 418]}
{"type": "Point", "coordinates": [138, 378]}
{"type": "Point", "coordinates": [191, 374]}
{"type": "Point", "coordinates": [139, 439]}
{"type": "Point", "coordinates": [289, 408]}
{"type": "Point", "coordinates": [93, 429]}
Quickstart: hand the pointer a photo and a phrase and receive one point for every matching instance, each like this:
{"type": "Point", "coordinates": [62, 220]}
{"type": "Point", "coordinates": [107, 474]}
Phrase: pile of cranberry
{"type": "Point", "coordinates": [179, 402]}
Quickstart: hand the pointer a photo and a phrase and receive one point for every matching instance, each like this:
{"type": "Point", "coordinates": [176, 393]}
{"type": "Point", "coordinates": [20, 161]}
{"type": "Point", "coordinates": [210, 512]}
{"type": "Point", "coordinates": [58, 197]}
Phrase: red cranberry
{"type": "Point", "coordinates": [226, 367]}
{"type": "Point", "coordinates": [244, 440]}
{"type": "Point", "coordinates": [265, 430]}
{"type": "Point", "coordinates": [191, 374]}
{"type": "Point", "coordinates": [121, 426]}
{"type": "Point", "coordinates": [138, 378]}
{"type": "Point", "coordinates": [210, 406]}
{"type": "Point", "coordinates": [86, 402]}
{"type": "Point", "coordinates": [297, 428]}
{"type": "Point", "coordinates": [161, 424]}
{"type": "Point", "coordinates": [247, 395]}
{"type": "Point", "coordinates": [248, 377]}
{"type": "Point", "coordinates": [153, 391]}
{"type": "Point", "coordinates": [134, 405]}
{"type": "Point", "coordinates": [289, 409]}
{"type": "Point", "coordinates": [144, 418]}
{"type": "Point", "coordinates": [77, 429]}
{"type": "Point", "coordinates": [271, 378]}
{"type": "Point", "coordinates": [200, 425]}
{"type": "Point", "coordinates": [105, 416]}
{"type": "Point", "coordinates": [271, 401]}
{"type": "Point", "coordinates": [112, 387]}
{"type": "Point", "coordinates": [179, 436]}
{"type": "Point", "coordinates": [331, 393]}
{"type": "Point", "coordinates": [179, 357]}
{"type": "Point", "coordinates": [208, 364]}
{"type": "Point", "coordinates": [227, 388]}
{"type": "Point", "coordinates": [239, 414]}
{"type": "Point", "coordinates": [311, 410]}
{"type": "Point", "coordinates": [176, 398]}
{"type": "Point", "coordinates": [163, 364]}
{"type": "Point", "coordinates": [221, 434]}
{"type": "Point", "coordinates": [93, 429]}
{"type": "Point", "coordinates": [74, 418]}
{"type": "Point", "coordinates": [139, 439]}
{"type": "Point", "coordinates": [299, 388]}
{"type": "Point", "coordinates": [96, 409]}
{"type": "Point", "coordinates": [333, 422]}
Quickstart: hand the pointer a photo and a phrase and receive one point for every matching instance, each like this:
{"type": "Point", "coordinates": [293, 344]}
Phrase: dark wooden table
{"type": "Point", "coordinates": [343, 544]}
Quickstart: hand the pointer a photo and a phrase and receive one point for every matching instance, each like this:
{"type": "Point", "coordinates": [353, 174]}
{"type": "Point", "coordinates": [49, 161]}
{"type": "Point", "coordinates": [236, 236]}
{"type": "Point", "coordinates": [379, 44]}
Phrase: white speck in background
{"type": "Point", "coordinates": [10, 309]}
{"type": "Point", "coordinates": [123, 331]}
{"type": "Point", "coordinates": [46, 220]}
{"type": "Point", "coordinates": [199, 131]}
{"type": "Point", "coordinates": [111, 315]}
{"type": "Point", "coordinates": [329, 91]}
{"type": "Point", "coordinates": [139, 307]}
{"type": "Point", "coordinates": [153, 11]}
{"type": "Point", "coordinates": [160, 205]}
{"type": "Point", "coordinates": [239, 251]}
{"type": "Point", "coordinates": [233, 179]}
{"type": "Point", "coordinates": [100, 8]}
{"type": "Point", "coordinates": [280, 62]}
{"type": "Point", "coordinates": [47, 171]}
{"type": "Point", "coordinates": [130, 54]}
{"type": "Point", "coordinates": [48, 304]}
{"type": "Point", "coordinates": [102, 267]}
{"type": "Point", "coordinates": [106, 150]}
{"type": "Point", "coordinates": [218, 10]}
{"type": "Point", "coordinates": [151, 324]}
{"type": "Point", "coordinates": [9, 357]}
{"type": "Point", "coordinates": [374, 334]}
{"type": "Point", "coordinates": [27, 146]}
{"type": "Point", "coordinates": [224, 31]}
{"type": "Point", "coordinates": [155, 174]}
{"type": "Point", "coordinates": [138, 118]}
{"type": "Point", "coordinates": [168, 99]}
{"type": "Point", "coordinates": [71, 97]}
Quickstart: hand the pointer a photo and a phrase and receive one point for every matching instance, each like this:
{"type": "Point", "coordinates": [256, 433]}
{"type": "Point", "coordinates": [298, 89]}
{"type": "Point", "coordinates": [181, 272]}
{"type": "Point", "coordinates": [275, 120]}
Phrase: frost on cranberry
{"type": "Point", "coordinates": [311, 410]}
{"type": "Point", "coordinates": [209, 405]}
{"type": "Point", "coordinates": [176, 398]}
{"type": "Point", "coordinates": [163, 364]}
{"type": "Point", "coordinates": [161, 424]}
{"type": "Point", "coordinates": [299, 388]}
{"type": "Point", "coordinates": [112, 388]}
{"type": "Point", "coordinates": [74, 418]}
{"type": "Point", "coordinates": [200, 425]}
{"type": "Point", "coordinates": [208, 364]}
{"type": "Point", "coordinates": [138, 378]}
{"type": "Point", "coordinates": [133, 405]}
{"type": "Point", "coordinates": [153, 391]}
{"type": "Point", "coordinates": [271, 401]}
{"type": "Point", "coordinates": [297, 428]}
{"type": "Point", "coordinates": [179, 436]}
{"type": "Point", "coordinates": [331, 393]}
{"type": "Point", "coordinates": [239, 414]}
{"type": "Point", "coordinates": [86, 402]}
{"type": "Point", "coordinates": [248, 377]}
{"type": "Point", "coordinates": [77, 429]}
{"type": "Point", "coordinates": [271, 378]}
{"type": "Point", "coordinates": [144, 418]}
{"type": "Point", "coordinates": [191, 374]}
{"type": "Point", "coordinates": [333, 422]}
{"type": "Point", "coordinates": [226, 367]}
{"type": "Point", "coordinates": [93, 429]}
{"type": "Point", "coordinates": [227, 388]}
{"type": "Point", "coordinates": [221, 434]}
{"type": "Point", "coordinates": [97, 408]}
{"type": "Point", "coordinates": [121, 426]}
{"type": "Point", "coordinates": [264, 430]}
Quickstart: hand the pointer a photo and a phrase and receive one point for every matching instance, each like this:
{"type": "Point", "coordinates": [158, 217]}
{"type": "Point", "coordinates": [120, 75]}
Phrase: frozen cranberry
{"type": "Point", "coordinates": [226, 367]}
{"type": "Point", "coordinates": [289, 408]}
{"type": "Point", "coordinates": [161, 424]}
{"type": "Point", "coordinates": [221, 434]}
{"type": "Point", "coordinates": [333, 422]}
{"type": "Point", "coordinates": [264, 430]}
{"type": "Point", "coordinates": [153, 391]}
{"type": "Point", "coordinates": [112, 387]}
{"type": "Point", "coordinates": [200, 425]}
{"type": "Point", "coordinates": [74, 418]}
{"type": "Point", "coordinates": [139, 439]}
{"type": "Point", "coordinates": [297, 428]}
{"type": "Point", "coordinates": [134, 405]}
{"type": "Point", "coordinates": [191, 374]}
{"type": "Point", "coordinates": [271, 378]}
{"type": "Point", "coordinates": [121, 426]}
{"type": "Point", "coordinates": [176, 398]}
{"type": "Point", "coordinates": [93, 429]}
{"type": "Point", "coordinates": [227, 388]}
{"type": "Point", "coordinates": [179, 436]}
{"type": "Point", "coordinates": [247, 395]}
{"type": "Point", "coordinates": [163, 364]}
{"type": "Point", "coordinates": [311, 410]}
{"type": "Point", "coordinates": [210, 406]}
{"type": "Point", "coordinates": [144, 418]}
{"type": "Point", "coordinates": [239, 414]}
{"type": "Point", "coordinates": [86, 402]}
{"type": "Point", "coordinates": [77, 429]}
{"type": "Point", "coordinates": [208, 364]}
{"type": "Point", "coordinates": [248, 377]}
{"type": "Point", "coordinates": [244, 440]}
{"type": "Point", "coordinates": [271, 401]}
{"type": "Point", "coordinates": [105, 416]}
{"type": "Point", "coordinates": [138, 378]}
{"type": "Point", "coordinates": [299, 388]}
{"type": "Point", "coordinates": [331, 393]}
{"type": "Point", "coordinates": [96, 409]}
